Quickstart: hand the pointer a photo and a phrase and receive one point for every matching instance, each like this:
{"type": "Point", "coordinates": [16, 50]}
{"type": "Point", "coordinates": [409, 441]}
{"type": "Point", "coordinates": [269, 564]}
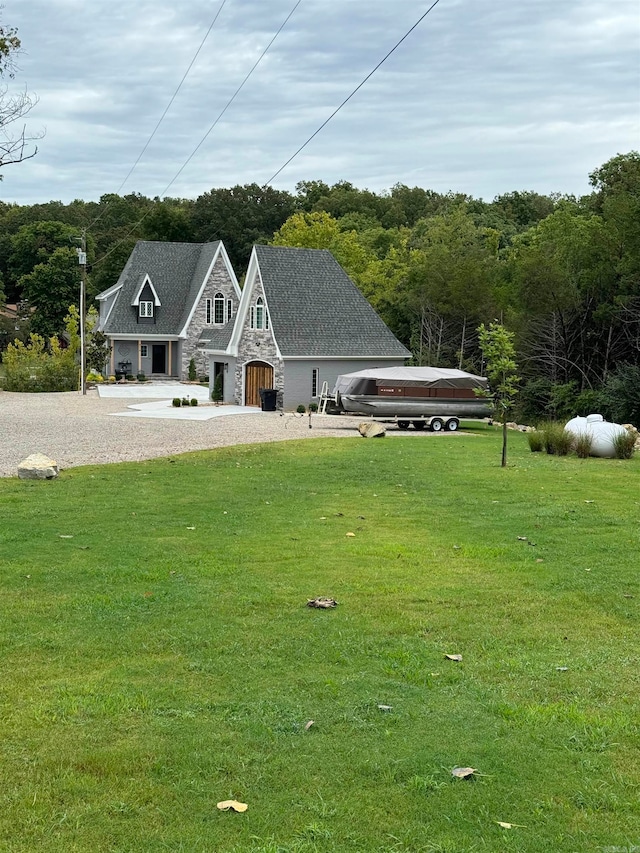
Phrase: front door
{"type": "Point", "coordinates": [258, 375]}
{"type": "Point", "coordinates": [159, 358]}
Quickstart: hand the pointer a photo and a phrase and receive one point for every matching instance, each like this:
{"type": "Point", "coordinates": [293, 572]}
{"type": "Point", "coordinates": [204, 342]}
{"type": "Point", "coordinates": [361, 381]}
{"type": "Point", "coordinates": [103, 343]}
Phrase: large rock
{"type": "Point", "coordinates": [371, 429]}
{"type": "Point", "coordinates": [37, 467]}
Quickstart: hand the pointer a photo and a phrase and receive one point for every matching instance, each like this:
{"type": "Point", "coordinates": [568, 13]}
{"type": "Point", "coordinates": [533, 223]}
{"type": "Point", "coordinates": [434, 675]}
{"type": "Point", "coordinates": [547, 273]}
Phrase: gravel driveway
{"type": "Point", "coordinates": [76, 430]}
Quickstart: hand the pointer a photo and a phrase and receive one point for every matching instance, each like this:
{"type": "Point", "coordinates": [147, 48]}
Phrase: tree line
{"type": "Point", "coordinates": [563, 273]}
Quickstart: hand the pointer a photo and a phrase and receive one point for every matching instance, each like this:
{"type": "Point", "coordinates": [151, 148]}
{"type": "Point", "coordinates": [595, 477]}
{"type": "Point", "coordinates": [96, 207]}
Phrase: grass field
{"type": "Point", "coordinates": [157, 654]}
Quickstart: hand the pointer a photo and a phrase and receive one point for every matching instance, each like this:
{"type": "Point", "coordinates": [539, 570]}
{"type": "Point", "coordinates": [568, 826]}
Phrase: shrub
{"type": "Point", "coordinates": [588, 402]}
{"type": "Point", "coordinates": [185, 401]}
{"type": "Point", "coordinates": [583, 444]}
{"type": "Point", "coordinates": [32, 367]}
{"type": "Point", "coordinates": [176, 402]}
{"type": "Point", "coordinates": [313, 407]}
{"type": "Point", "coordinates": [194, 401]}
{"type": "Point", "coordinates": [112, 379]}
{"type": "Point", "coordinates": [557, 441]}
{"type": "Point", "coordinates": [192, 370]}
{"type": "Point", "coordinates": [203, 379]}
{"type": "Point", "coordinates": [130, 377]}
{"type": "Point", "coordinates": [301, 409]}
{"type": "Point", "coordinates": [536, 441]}
{"type": "Point", "coordinates": [624, 444]}
{"type": "Point", "coordinates": [141, 377]}
{"type": "Point", "coordinates": [92, 376]}
{"type": "Point", "coordinates": [216, 394]}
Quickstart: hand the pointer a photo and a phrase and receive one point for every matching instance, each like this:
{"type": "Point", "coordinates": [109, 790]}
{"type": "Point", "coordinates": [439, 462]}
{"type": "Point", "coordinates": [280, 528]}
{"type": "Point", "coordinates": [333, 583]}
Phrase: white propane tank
{"type": "Point", "coordinates": [602, 433]}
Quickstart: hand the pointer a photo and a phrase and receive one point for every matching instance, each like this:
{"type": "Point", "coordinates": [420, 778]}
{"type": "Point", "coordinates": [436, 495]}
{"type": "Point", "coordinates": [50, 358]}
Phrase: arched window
{"type": "Point", "coordinates": [259, 313]}
{"type": "Point", "coordinates": [218, 308]}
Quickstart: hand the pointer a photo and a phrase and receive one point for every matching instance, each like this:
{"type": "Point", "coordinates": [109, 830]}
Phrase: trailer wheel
{"type": "Point", "coordinates": [436, 425]}
{"type": "Point", "coordinates": [452, 425]}
{"type": "Point", "coordinates": [418, 424]}
{"type": "Point", "coordinates": [403, 424]}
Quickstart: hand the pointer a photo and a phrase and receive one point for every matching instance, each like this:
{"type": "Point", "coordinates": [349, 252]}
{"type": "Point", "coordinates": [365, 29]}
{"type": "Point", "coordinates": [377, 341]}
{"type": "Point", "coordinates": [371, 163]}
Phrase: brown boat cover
{"type": "Point", "coordinates": [422, 377]}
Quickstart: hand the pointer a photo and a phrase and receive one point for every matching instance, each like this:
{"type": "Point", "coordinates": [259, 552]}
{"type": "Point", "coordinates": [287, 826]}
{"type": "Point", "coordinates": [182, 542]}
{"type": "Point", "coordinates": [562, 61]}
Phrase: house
{"type": "Point", "coordinates": [301, 322]}
{"type": "Point", "coordinates": [166, 297]}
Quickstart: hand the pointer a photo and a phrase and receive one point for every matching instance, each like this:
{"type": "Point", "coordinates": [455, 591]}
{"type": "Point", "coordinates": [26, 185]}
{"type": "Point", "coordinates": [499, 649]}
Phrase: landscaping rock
{"type": "Point", "coordinates": [37, 467]}
{"type": "Point", "coordinates": [372, 430]}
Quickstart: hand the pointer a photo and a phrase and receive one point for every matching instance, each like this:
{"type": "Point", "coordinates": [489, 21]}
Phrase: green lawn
{"type": "Point", "coordinates": [150, 670]}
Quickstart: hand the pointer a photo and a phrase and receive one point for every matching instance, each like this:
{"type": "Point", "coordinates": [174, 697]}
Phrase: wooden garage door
{"type": "Point", "coordinates": [258, 375]}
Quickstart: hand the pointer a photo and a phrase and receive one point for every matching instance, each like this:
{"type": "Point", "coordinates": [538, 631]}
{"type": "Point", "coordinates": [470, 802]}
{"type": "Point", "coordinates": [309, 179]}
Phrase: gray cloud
{"type": "Point", "coordinates": [481, 98]}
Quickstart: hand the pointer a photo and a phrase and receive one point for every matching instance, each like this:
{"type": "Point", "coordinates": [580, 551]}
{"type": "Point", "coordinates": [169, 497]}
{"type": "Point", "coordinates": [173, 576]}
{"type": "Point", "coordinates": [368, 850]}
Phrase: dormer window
{"type": "Point", "coordinates": [146, 309]}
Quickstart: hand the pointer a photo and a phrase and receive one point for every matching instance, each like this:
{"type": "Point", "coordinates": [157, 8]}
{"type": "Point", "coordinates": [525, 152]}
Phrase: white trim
{"type": "Point", "coordinates": [141, 336]}
{"type": "Point", "coordinates": [219, 296]}
{"type": "Point", "coordinates": [220, 251]}
{"type": "Point", "coordinates": [107, 293]}
{"type": "Point", "coordinates": [106, 319]}
{"type": "Point", "coordinates": [136, 298]}
{"type": "Point", "coordinates": [345, 357]}
{"type": "Point", "coordinates": [146, 348]}
{"type": "Point", "coordinates": [147, 311]}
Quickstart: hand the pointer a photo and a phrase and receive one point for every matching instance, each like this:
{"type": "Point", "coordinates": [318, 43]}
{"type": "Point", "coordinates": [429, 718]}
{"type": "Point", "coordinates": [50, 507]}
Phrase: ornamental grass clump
{"type": "Point", "coordinates": [624, 444]}
{"type": "Point", "coordinates": [583, 445]}
{"type": "Point", "coordinates": [557, 441]}
{"type": "Point", "coordinates": [536, 441]}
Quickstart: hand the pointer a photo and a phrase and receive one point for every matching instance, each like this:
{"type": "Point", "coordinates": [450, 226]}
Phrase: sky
{"type": "Point", "coordinates": [484, 97]}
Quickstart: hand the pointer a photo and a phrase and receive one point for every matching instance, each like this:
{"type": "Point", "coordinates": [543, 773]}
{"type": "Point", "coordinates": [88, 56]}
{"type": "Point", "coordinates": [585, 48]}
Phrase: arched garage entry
{"type": "Point", "coordinates": [258, 374]}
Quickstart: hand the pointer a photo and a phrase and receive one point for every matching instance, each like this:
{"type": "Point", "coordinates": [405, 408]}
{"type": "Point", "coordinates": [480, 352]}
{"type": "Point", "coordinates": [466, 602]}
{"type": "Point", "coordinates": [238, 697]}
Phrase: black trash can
{"type": "Point", "coordinates": [268, 398]}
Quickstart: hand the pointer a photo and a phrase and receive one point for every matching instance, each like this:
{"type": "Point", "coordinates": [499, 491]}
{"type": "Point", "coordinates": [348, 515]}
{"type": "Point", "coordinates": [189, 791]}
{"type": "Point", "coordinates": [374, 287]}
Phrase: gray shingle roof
{"type": "Point", "coordinates": [177, 271]}
{"type": "Point", "coordinates": [216, 338]}
{"type": "Point", "coordinates": [316, 310]}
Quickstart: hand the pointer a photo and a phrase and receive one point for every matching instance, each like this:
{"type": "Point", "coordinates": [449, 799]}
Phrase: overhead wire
{"type": "Point", "coordinates": [211, 127]}
{"type": "Point", "coordinates": [348, 98]}
{"type": "Point", "coordinates": [166, 110]}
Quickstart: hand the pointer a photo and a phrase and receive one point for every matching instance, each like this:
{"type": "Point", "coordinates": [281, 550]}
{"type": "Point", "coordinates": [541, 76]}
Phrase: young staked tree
{"type": "Point", "coordinates": [499, 352]}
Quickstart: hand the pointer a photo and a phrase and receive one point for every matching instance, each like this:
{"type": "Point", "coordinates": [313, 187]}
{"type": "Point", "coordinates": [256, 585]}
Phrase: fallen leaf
{"type": "Point", "coordinates": [454, 657]}
{"type": "Point", "coordinates": [350, 534]}
{"type": "Point", "coordinates": [626, 595]}
{"type": "Point", "coordinates": [385, 707]}
{"type": "Point", "coordinates": [148, 594]}
{"type": "Point", "coordinates": [522, 538]}
{"type": "Point", "coordinates": [506, 825]}
{"type": "Point", "coordinates": [234, 805]}
{"type": "Point", "coordinates": [66, 536]}
{"type": "Point", "coordinates": [190, 528]}
{"type": "Point", "coordinates": [27, 576]}
{"type": "Point", "coordinates": [589, 502]}
{"type": "Point", "coordinates": [323, 518]}
{"type": "Point", "coordinates": [308, 725]}
{"type": "Point", "coordinates": [539, 560]}
{"type": "Point", "coordinates": [456, 547]}
{"type": "Point", "coordinates": [338, 514]}
{"type": "Point", "coordinates": [562, 668]}
{"type": "Point", "coordinates": [83, 547]}
{"type": "Point", "coordinates": [463, 772]}
{"type": "Point", "coordinates": [533, 544]}
{"type": "Point", "coordinates": [362, 517]}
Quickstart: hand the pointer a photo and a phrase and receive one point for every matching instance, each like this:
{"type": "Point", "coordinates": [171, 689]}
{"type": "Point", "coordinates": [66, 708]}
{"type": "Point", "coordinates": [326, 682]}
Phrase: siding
{"type": "Point", "coordinates": [297, 375]}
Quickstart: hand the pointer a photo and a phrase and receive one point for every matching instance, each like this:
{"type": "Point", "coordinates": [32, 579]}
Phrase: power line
{"type": "Point", "coordinates": [231, 100]}
{"type": "Point", "coordinates": [348, 98]}
{"type": "Point", "coordinates": [215, 122]}
{"type": "Point", "coordinates": [167, 108]}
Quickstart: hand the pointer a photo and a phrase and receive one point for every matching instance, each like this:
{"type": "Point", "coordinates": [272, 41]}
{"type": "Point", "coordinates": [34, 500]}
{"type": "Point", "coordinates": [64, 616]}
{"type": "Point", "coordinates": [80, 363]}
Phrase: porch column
{"type": "Point", "coordinates": [139, 357]}
{"type": "Point", "coordinates": [170, 365]}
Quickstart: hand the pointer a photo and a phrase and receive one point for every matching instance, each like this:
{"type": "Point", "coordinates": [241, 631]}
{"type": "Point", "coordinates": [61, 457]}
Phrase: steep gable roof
{"type": "Point", "coordinates": [177, 271]}
{"type": "Point", "coordinates": [316, 310]}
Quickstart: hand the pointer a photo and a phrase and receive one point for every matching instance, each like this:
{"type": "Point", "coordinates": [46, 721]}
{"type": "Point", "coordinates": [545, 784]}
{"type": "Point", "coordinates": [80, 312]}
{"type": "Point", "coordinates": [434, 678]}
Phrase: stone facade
{"type": "Point", "coordinates": [257, 345]}
{"type": "Point", "coordinates": [219, 281]}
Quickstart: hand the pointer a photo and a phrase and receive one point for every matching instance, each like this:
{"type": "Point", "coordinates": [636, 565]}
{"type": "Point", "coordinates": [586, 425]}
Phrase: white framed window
{"type": "Point", "coordinates": [208, 311]}
{"type": "Point", "coordinates": [315, 381]}
{"type": "Point", "coordinates": [259, 313]}
{"type": "Point", "coordinates": [146, 309]}
{"type": "Point", "coordinates": [229, 309]}
{"type": "Point", "coordinates": [218, 309]}
{"type": "Point", "coordinates": [144, 350]}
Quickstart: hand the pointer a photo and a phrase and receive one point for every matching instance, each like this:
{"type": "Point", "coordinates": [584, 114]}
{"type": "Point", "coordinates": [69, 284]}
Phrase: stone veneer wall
{"type": "Point", "coordinates": [218, 282]}
{"type": "Point", "coordinates": [257, 345]}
